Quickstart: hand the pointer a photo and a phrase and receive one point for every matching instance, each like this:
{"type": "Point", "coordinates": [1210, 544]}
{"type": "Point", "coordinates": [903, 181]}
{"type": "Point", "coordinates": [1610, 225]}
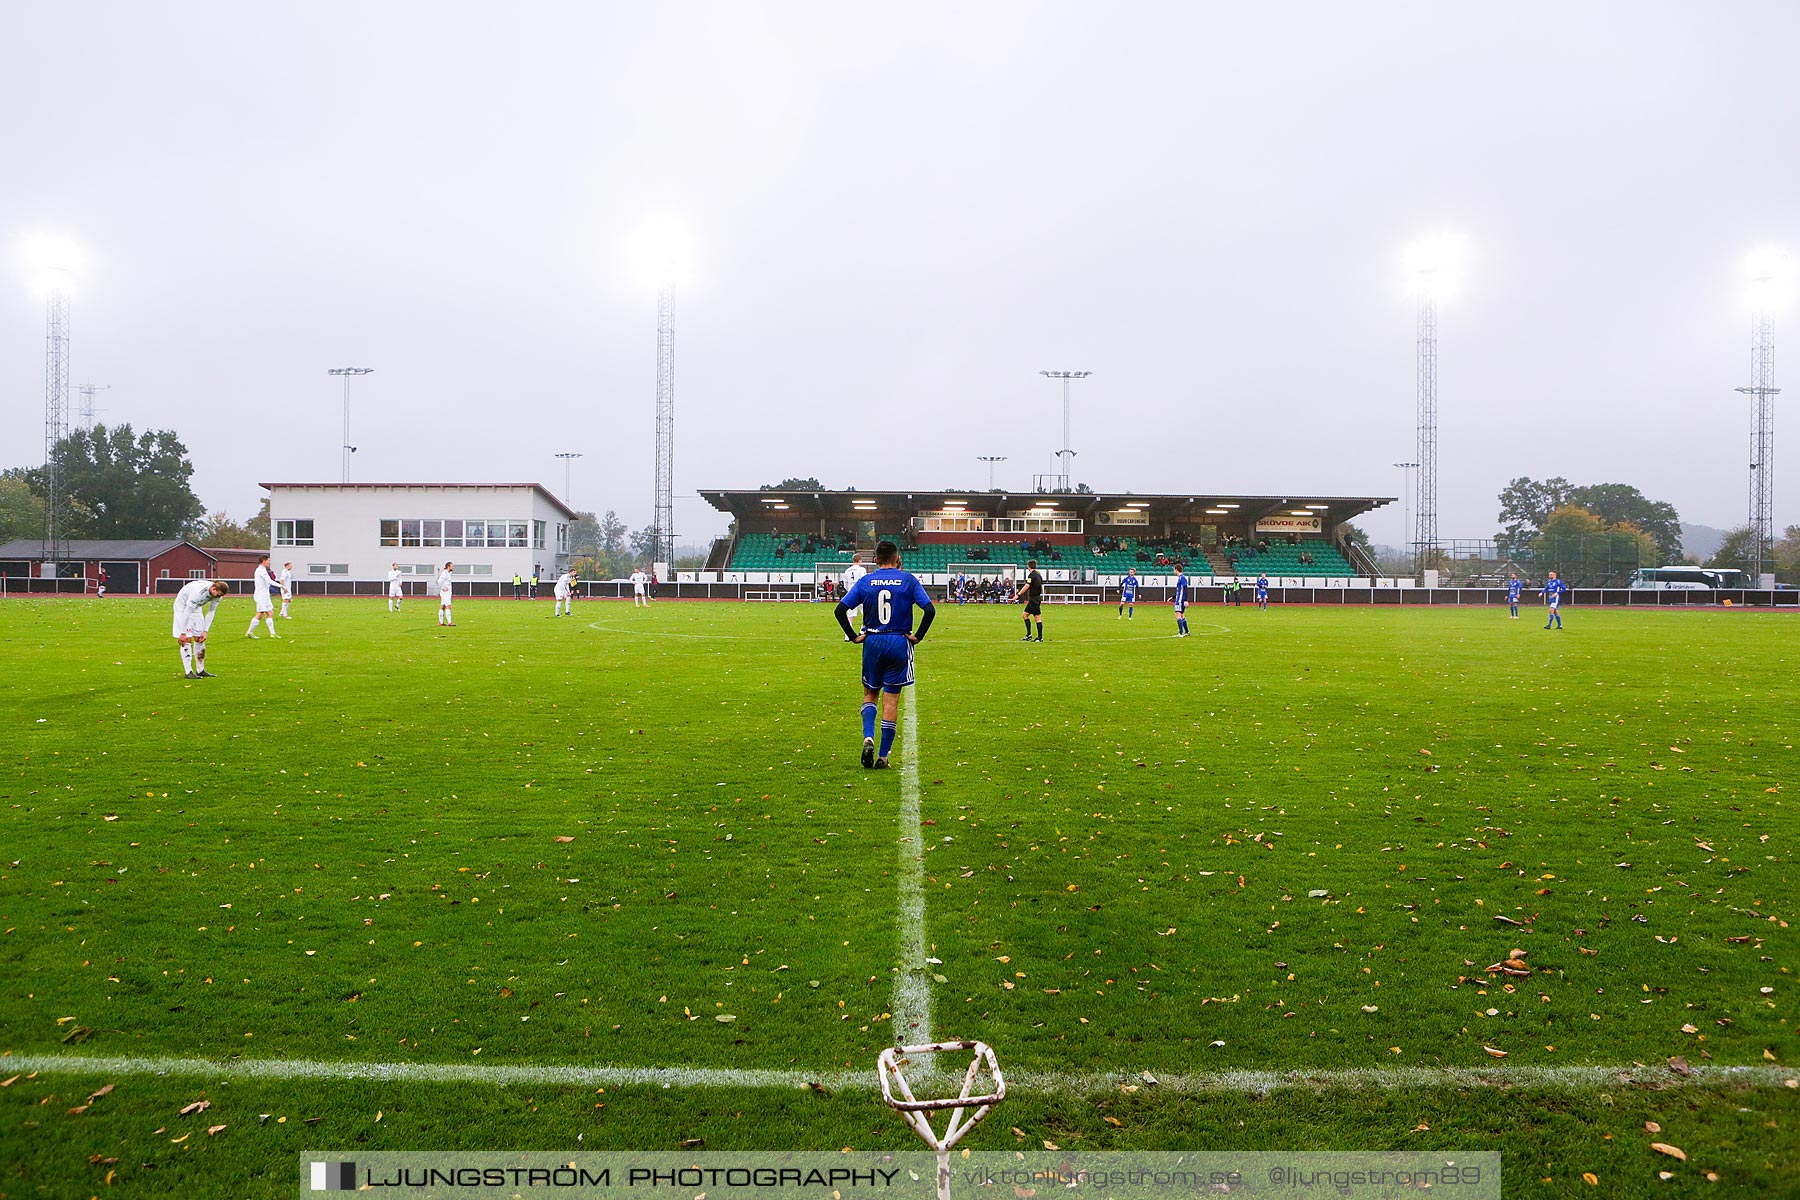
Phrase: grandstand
{"type": "Point", "coordinates": [1073, 536]}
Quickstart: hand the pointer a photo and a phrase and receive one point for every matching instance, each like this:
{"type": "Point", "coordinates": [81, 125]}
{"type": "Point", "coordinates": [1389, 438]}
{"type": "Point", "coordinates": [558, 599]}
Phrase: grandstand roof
{"type": "Point", "coordinates": [844, 505]}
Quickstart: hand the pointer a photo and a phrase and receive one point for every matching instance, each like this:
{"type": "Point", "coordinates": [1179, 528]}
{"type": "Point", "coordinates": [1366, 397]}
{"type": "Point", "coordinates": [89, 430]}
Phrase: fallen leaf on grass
{"type": "Point", "coordinates": [80, 1033]}
{"type": "Point", "coordinates": [1652, 1127]}
{"type": "Point", "coordinates": [9, 1082]}
{"type": "Point", "coordinates": [196, 1106]}
{"type": "Point", "coordinates": [1421, 1127]}
{"type": "Point", "coordinates": [1591, 1179]}
{"type": "Point", "coordinates": [724, 1018]}
{"type": "Point", "coordinates": [1113, 1121]}
{"type": "Point", "coordinates": [1671, 1151]}
{"type": "Point", "coordinates": [212, 1129]}
{"type": "Point", "coordinates": [1494, 1052]}
{"type": "Point", "coordinates": [1050, 1145]}
{"type": "Point", "coordinates": [1017, 1132]}
{"type": "Point", "coordinates": [562, 837]}
{"type": "Point", "coordinates": [1679, 1065]}
{"type": "Point", "coordinates": [93, 1096]}
{"type": "Point", "coordinates": [1690, 1029]}
{"type": "Point", "coordinates": [78, 1110]}
{"type": "Point", "coordinates": [690, 1143]}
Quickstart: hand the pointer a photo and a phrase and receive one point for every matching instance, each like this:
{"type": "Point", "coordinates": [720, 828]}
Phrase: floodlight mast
{"type": "Point", "coordinates": [89, 410]}
{"type": "Point", "coordinates": [1406, 468]}
{"type": "Point", "coordinates": [1768, 277]}
{"type": "Point", "coordinates": [662, 523]}
{"type": "Point", "coordinates": [54, 261]}
{"type": "Point", "coordinates": [1065, 455]}
{"type": "Point", "coordinates": [990, 460]}
{"type": "Point", "coordinates": [567, 457]}
{"type": "Point", "coordinates": [348, 373]}
{"type": "Point", "coordinates": [1435, 264]}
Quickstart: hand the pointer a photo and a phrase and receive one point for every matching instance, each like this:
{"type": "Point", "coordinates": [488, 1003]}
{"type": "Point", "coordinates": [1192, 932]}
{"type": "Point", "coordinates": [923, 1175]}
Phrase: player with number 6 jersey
{"type": "Point", "coordinates": [887, 596]}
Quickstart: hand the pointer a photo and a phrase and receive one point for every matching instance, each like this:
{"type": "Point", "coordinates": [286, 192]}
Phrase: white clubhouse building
{"type": "Point", "coordinates": [355, 531]}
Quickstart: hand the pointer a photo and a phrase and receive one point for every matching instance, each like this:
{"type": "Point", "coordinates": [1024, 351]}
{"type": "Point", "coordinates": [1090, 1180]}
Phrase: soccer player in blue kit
{"type": "Point", "coordinates": [1553, 594]}
{"type": "Point", "coordinates": [887, 596]}
{"type": "Point", "coordinates": [1512, 595]}
{"type": "Point", "coordinates": [1181, 589]}
{"type": "Point", "coordinates": [1262, 592]}
{"type": "Point", "coordinates": [1128, 594]}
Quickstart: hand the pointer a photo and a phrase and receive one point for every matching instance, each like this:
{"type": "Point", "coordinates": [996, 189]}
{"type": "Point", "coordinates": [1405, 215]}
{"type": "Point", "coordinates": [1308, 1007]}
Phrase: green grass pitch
{"type": "Point", "coordinates": [1303, 841]}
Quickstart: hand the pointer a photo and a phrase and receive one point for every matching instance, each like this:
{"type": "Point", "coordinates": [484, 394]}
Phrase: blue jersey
{"type": "Point", "coordinates": [1553, 592]}
{"type": "Point", "coordinates": [1262, 584]}
{"type": "Point", "coordinates": [887, 596]}
{"type": "Point", "coordinates": [1512, 591]}
{"type": "Point", "coordinates": [1128, 587]}
{"type": "Point", "coordinates": [1181, 582]}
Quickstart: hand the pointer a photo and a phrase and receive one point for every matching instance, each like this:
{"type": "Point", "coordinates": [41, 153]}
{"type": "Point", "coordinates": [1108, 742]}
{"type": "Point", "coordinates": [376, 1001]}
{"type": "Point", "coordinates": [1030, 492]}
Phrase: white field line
{"type": "Point", "coordinates": [912, 986]}
{"type": "Point", "coordinates": [1563, 1079]}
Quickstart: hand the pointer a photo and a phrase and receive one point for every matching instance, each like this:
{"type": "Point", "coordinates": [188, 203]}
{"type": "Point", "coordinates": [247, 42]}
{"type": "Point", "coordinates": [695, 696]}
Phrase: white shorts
{"type": "Point", "coordinates": [561, 594]}
{"type": "Point", "coordinates": [189, 623]}
{"type": "Point", "coordinates": [638, 589]}
{"type": "Point", "coordinates": [444, 597]}
{"type": "Point", "coordinates": [264, 603]}
{"type": "Point", "coordinates": [395, 590]}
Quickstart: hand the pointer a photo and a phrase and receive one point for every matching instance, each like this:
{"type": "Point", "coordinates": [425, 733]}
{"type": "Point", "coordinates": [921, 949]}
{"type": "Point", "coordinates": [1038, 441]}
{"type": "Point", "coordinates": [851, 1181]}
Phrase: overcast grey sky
{"type": "Point", "coordinates": [902, 215]}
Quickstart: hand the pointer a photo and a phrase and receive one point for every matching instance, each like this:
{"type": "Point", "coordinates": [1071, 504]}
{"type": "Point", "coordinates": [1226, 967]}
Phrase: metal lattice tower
{"type": "Point", "coordinates": [1762, 443]}
{"type": "Point", "coordinates": [90, 411]}
{"type": "Point", "coordinates": [662, 525]}
{"type": "Point", "coordinates": [1425, 533]}
{"type": "Point", "coordinates": [56, 423]}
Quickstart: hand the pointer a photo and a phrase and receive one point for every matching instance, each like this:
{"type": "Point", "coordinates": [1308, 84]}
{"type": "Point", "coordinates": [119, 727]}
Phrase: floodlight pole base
{"type": "Point", "coordinates": [914, 1110]}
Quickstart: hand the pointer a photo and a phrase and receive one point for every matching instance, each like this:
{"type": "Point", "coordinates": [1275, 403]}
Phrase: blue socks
{"type": "Point", "coordinates": [868, 714]}
{"type": "Point", "coordinates": [1181, 624]}
{"type": "Point", "coordinates": [887, 738]}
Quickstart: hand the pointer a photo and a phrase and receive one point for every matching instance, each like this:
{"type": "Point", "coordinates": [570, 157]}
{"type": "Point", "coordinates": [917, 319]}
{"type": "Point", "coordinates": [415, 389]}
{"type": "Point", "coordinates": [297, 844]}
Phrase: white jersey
{"type": "Point", "coordinates": [565, 583]}
{"type": "Point", "coordinates": [852, 573]}
{"type": "Point", "coordinates": [195, 606]}
{"type": "Point", "coordinates": [443, 586]}
{"type": "Point", "coordinates": [264, 581]}
{"type": "Point", "coordinates": [286, 580]}
{"type": "Point", "coordinates": [638, 580]}
{"type": "Point", "coordinates": [393, 582]}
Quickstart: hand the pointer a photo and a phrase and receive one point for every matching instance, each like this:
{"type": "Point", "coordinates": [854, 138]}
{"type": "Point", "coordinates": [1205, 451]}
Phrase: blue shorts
{"type": "Point", "coordinates": [887, 662]}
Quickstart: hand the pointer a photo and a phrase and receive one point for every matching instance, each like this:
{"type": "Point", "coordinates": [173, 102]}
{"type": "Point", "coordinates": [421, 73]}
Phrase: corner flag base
{"type": "Point", "coordinates": [981, 1099]}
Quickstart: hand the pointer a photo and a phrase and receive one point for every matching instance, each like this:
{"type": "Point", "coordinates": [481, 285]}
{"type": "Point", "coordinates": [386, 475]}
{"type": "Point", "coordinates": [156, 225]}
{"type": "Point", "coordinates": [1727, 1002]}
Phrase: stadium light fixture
{"type": "Point", "coordinates": [51, 261]}
{"type": "Point", "coordinates": [662, 253]}
{"type": "Point", "coordinates": [1299, 512]}
{"type": "Point", "coordinates": [1769, 277]}
{"type": "Point", "coordinates": [1434, 265]}
{"type": "Point", "coordinates": [1218, 512]}
{"type": "Point", "coordinates": [1319, 507]}
{"type": "Point", "coordinates": [1222, 504]}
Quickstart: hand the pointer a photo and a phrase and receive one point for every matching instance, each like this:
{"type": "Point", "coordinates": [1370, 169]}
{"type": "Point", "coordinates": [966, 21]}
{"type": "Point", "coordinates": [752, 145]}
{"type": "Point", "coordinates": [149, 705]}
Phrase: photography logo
{"type": "Point", "coordinates": [333, 1176]}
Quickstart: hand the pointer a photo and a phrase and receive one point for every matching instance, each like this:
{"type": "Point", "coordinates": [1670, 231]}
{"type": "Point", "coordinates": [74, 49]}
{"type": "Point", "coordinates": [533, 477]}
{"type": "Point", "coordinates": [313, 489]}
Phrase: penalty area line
{"type": "Point", "coordinates": [1562, 1079]}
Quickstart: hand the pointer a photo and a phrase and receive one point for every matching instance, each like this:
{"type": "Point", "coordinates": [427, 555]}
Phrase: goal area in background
{"type": "Point", "coordinates": [978, 573]}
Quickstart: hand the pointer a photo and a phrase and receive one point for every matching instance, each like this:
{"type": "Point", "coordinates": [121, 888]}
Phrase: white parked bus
{"type": "Point", "coordinates": [1688, 579]}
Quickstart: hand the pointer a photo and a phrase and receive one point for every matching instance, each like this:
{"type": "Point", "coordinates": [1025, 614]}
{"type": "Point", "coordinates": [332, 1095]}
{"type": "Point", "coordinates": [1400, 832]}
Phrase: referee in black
{"type": "Point", "coordinates": [1033, 593]}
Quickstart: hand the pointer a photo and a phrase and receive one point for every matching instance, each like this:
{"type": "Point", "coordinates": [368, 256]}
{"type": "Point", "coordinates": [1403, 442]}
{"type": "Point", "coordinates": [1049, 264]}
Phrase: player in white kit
{"type": "Point", "coordinates": [852, 573]}
{"type": "Point", "coordinates": [638, 580]}
{"type": "Point", "coordinates": [565, 592]}
{"type": "Point", "coordinates": [286, 580]}
{"type": "Point", "coordinates": [395, 591]}
{"type": "Point", "coordinates": [444, 590]}
{"type": "Point", "coordinates": [265, 602]}
{"type": "Point", "coordinates": [195, 606]}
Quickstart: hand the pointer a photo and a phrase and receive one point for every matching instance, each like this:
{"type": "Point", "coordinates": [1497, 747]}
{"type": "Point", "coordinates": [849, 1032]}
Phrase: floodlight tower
{"type": "Point", "coordinates": [1065, 454]}
{"type": "Point", "coordinates": [348, 373]}
{"type": "Point", "coordinates": [88, 408]}
{"type": "Point", "coordinates": [567, 456]}
{"type": "Point", "coordinates": [990, 460]}
{"type": "Point", "coordinates": [54, 261]}
{"type": "Point", "coordinates": [1435, 266]}
{"type": "Point", "coordinates": [1770, 278]}
{"type": "Point", "coordinates": [663, 250]}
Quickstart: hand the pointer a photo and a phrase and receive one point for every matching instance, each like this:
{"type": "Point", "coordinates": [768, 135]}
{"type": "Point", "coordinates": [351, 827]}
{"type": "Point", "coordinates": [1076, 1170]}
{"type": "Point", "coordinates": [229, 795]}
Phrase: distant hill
{"type": "Point", "coordinates": [1701, 541]}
